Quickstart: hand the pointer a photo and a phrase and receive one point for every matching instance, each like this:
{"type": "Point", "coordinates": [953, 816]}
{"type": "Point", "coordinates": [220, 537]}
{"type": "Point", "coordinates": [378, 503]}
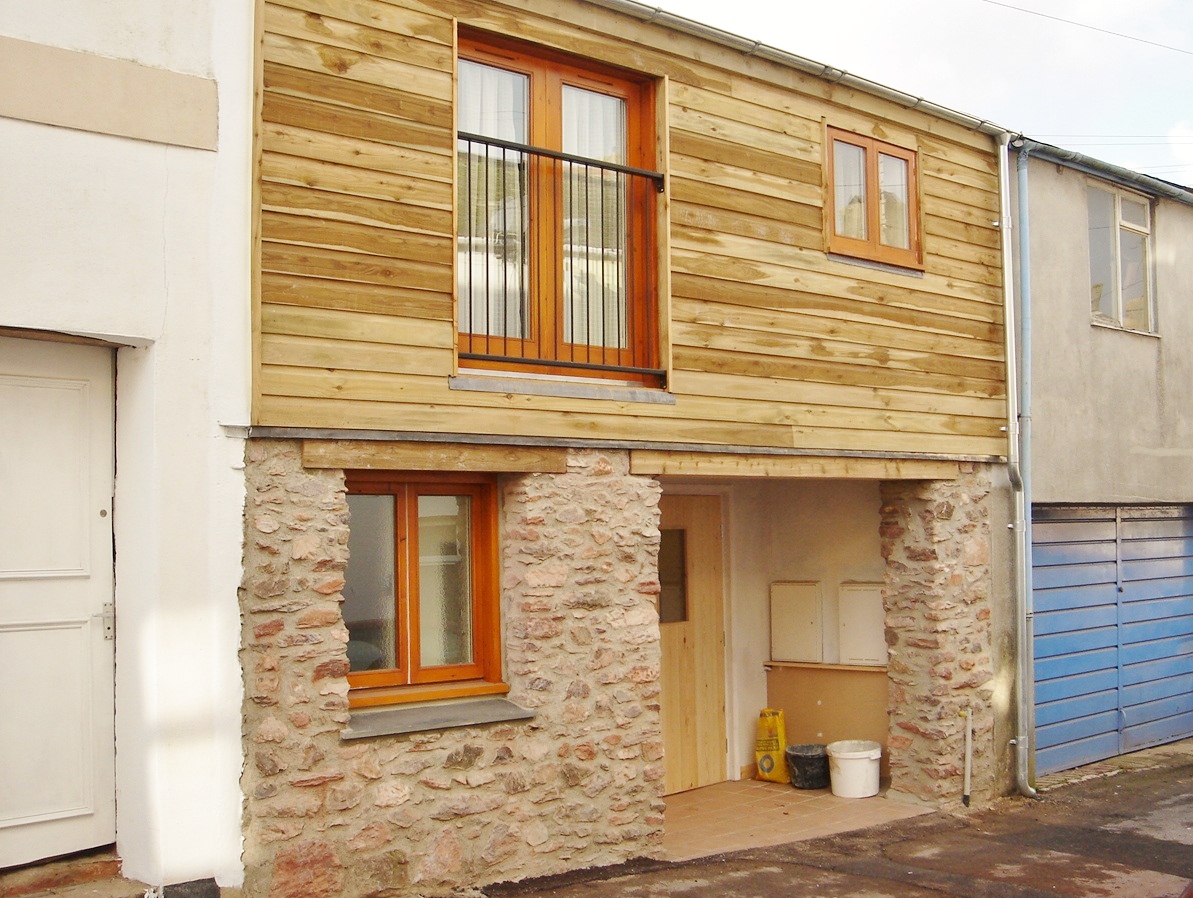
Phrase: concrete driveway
{"type": "Point", "coordinates": [1123, 829]}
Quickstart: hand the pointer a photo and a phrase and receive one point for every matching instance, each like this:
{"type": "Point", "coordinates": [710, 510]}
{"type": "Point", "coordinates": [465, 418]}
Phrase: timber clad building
{"type": "Point", "coordinates": [610, 383]}
{"type": "Point", "coordinates": [510, 400]}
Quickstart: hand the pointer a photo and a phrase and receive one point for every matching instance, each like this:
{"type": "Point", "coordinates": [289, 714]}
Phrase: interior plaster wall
{"type": "Point", "coordinates": [788, 530]}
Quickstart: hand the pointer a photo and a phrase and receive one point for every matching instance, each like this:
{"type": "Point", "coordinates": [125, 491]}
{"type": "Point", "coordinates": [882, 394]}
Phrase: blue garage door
{"type": "Point", "coordinates": [1113, 600]}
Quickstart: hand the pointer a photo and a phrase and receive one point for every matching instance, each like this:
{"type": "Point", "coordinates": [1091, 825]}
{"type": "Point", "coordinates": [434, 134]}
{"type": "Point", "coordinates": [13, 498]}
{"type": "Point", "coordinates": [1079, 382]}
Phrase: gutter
{"type": "Point", "coordinates": [653, 15]}
{"type": "Point", "coordinates": [1124, 177]}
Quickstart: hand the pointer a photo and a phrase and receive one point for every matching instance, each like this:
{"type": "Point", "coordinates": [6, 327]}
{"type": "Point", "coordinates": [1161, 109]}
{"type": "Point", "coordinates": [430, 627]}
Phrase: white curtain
{"type": "Point", "coordinates": [493, 102]}
{"type": "Point", "coordinates": [594, 125]}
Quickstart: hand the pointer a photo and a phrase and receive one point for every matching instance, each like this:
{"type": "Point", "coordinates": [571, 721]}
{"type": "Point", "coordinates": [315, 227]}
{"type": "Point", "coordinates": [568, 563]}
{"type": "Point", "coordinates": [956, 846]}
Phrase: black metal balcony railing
{"type": "Point", "coordinates": [553, 262]}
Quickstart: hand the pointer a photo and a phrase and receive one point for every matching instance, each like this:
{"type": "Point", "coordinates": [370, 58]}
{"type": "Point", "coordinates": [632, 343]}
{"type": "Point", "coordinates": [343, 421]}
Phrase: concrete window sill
{"type": "Point", "coordinates": [401, 720]}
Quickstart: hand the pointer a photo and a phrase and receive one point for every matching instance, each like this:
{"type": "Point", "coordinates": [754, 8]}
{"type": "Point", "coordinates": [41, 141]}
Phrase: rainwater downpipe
{"type": "Point", "coordinates": [1021, 472]}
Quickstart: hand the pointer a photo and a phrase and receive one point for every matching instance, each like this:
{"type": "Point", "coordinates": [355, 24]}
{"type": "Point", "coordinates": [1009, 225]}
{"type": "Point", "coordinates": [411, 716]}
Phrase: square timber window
{"type": "Point", "coordinates": [556, 261]}
{"type": "Point", "coordinates": [421, 591]}
{"type": "Point", "coordinates": [873, 200]}
{"type": "Point", "coordinates": [1120, 259]}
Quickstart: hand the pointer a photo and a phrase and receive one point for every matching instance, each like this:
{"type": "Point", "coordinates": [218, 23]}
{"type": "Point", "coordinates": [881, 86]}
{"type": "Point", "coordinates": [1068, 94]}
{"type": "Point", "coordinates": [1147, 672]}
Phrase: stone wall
{"type": "Point", "coordinates": [579, 785]}
{"type": "Point", "coordinates": [936, 539]}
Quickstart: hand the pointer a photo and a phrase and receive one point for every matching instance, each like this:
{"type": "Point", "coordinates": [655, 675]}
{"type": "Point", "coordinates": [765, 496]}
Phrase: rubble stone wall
{"type": "Point", "coordinates": [579, 785]}
{"type": "Point", "coordinates": [936, 539]}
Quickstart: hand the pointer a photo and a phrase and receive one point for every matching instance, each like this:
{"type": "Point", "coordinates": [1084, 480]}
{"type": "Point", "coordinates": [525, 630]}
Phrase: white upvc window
{"type": "Point", "coordinates": [1120, 259]}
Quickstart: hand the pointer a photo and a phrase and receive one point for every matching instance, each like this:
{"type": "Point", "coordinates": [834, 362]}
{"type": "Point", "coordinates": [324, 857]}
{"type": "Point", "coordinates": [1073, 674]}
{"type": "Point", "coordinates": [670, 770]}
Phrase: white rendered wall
{"type": "Point", "coordinates": [1112, 411]}
{"type": "Point", "coordinates": [174, 36]}
{"type": "Point", "coordinates": [147, 245]}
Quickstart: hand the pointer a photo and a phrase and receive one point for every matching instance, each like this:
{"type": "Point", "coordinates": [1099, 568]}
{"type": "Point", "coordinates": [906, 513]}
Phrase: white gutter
{"type": "Point", "coordinates": [655, 16]}
{"type": "Point", "coordinates": [1119, 175]}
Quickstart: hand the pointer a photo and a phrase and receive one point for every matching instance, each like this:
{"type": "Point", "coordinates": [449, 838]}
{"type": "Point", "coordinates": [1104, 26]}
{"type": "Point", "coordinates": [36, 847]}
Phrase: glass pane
{"type": "Point", "coordinates": [444, 580]}
{"type": "Point", "coordinates": [491, 204]}
{"type": "Point", "coordinates": [1101, 253]}
{"type": "Point", "coordinates": [1133, 266]}
{"type": "Point", "coordinates": [493, 102]}
{"type": "Point", "coordinates": [849, 172]}
{"type": "Point", "coordinates": [892, 202]}
{"type": "Point", "coordinates": [1135, 213]}
{"type": "Point", "coordinates": [673, 577]}
{"type": "Point", "coordinates": [594, 125]}
{"type": "Point", "coordinates": [368, 607]}
{"type": "Point", "coordinates": [594, 221]}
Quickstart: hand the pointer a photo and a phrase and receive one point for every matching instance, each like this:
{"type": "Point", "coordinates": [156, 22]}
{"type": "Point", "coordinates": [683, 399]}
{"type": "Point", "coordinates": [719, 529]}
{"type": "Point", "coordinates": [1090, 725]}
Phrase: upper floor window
{"type": "Point", "coordinates": [421, 592]}
{"type": "Point", "coordinates": [555, 216]}
{"type": "Point", "coordinates": [1120, 252]}
{"type": "Point", "coordinates": [873, 201]}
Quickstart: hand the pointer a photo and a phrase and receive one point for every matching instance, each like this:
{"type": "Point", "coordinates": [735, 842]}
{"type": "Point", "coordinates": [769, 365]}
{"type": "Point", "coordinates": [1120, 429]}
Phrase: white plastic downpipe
{"type": "Point", "coordinates": [1025, 646]}
{"type": "Point", "coordinates": [1017, 331]}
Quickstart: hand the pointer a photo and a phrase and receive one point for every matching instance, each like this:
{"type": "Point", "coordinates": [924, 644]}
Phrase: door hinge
{"type": "Point", "coordinates": [108, 617]}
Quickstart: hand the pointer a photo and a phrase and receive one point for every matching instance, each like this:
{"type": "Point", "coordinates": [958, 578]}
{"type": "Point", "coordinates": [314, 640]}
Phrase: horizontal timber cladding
{"type": "Point", "coordinates": [768, 341]}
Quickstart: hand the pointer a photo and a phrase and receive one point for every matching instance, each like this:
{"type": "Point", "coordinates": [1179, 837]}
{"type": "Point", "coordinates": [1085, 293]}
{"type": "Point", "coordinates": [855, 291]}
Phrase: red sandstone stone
{"type": "Point", "coordinates": [337, 667]}
{"type": "Point", "coordinates": [306, 870]}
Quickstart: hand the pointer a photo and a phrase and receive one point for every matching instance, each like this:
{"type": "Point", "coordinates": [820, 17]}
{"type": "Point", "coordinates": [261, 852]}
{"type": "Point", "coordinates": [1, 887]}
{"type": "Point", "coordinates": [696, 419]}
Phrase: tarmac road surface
{"type": "Point", "coordinates": [1124, 831]}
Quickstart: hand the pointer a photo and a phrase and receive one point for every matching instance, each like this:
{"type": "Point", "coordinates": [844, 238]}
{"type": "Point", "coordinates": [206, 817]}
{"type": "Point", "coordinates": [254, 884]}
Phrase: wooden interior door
{"type": "Point", "coordinates": [691, 607]}
{"type": "Point", "coordinates": [57, 757]}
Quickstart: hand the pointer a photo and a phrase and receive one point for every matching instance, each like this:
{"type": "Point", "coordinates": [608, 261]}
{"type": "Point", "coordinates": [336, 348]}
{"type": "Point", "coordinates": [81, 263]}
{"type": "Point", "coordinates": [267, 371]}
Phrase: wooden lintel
{"type": "Point", "coordinates": [707, 464]}
{"type": "Point", "coordinates": [374, 455]}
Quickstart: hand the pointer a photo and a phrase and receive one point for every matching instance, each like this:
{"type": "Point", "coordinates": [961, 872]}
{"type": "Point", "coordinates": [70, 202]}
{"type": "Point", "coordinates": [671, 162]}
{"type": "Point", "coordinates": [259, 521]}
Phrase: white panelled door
{"type": "Point", "coordinates": [57, 748]}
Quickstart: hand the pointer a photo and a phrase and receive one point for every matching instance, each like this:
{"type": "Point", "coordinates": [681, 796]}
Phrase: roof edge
{"type": "Point", "coordinates": [658, 16]}
{"type": "Point", "coordinates": [1125, 177]}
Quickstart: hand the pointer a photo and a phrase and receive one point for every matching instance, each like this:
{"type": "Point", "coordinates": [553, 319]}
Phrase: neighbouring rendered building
{"type": "Point", "coordinates": [511, 400]}
{"type": "Point", "coordinates": [1111, 445]}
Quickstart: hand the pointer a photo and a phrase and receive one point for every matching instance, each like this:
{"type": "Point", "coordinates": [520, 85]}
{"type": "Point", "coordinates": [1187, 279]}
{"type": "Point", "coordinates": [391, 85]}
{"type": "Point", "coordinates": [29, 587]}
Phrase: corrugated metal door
{"type": "Point", "coordinates": [1114, 631]}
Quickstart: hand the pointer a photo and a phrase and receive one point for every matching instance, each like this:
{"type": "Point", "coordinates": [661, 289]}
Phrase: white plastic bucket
{"type": "Point", "coordinates": [853, 767]}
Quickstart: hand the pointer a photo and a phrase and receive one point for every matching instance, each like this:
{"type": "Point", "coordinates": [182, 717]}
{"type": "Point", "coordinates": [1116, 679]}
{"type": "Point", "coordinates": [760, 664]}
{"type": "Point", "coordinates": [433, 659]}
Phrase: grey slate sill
{"type": "Point", "coordinates": [877, 266]}
{"type": "Point", "coordinates": [568, 389]}
{"type": "Point", "coordinates": [399, 721]}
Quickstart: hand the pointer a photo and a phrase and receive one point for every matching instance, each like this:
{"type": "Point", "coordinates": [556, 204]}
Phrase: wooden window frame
{"type": "Point", "coordinates": [548, 72]}
{"type": "Point", "coordinates": [872, 248]}
{"type": "Point", "coordinates": [409, 681]}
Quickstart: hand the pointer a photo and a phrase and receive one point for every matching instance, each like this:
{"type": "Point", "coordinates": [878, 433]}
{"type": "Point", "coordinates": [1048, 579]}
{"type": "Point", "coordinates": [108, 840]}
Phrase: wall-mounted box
{"type": "Point", "coordinates": [861, 624]}
{"type": "Point", "coordinates": [796, 632]}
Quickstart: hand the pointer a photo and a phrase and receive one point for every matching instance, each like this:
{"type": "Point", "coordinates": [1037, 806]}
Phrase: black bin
{"type": "Point", "coordinates": [808, 765]}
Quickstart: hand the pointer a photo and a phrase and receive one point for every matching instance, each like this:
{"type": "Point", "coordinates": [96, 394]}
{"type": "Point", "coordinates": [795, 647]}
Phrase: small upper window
{"type": "Point", "coordinates": [1120, 282]}
{"type": "Point", "coordinates": [420, 597]}
{"type": "Point", "coordinates": [873, 208]}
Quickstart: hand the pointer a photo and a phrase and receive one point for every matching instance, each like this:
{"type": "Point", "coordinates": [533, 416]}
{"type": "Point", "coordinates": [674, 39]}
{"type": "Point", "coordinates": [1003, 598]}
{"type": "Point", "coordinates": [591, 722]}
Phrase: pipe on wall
{"type": "Point", "coordinates": [1014, 320]}
{"type": "Point", "coordinates": [1025, 645]}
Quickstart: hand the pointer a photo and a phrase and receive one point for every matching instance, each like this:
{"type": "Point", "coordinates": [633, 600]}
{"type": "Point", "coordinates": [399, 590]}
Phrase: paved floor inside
{"type": "Point", "coordinates": [750, 814]}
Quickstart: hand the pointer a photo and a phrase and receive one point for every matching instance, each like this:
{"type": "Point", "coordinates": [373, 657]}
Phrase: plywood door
{"type": "Point", "coordinates": [693, 648]}
{"type": "Point", "coordinates": [57, 753]}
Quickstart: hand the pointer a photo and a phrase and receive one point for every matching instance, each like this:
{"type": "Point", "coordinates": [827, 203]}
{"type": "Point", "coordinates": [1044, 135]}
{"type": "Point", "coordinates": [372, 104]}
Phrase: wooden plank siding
{"type": "Point", "coordinates": [770, 342]}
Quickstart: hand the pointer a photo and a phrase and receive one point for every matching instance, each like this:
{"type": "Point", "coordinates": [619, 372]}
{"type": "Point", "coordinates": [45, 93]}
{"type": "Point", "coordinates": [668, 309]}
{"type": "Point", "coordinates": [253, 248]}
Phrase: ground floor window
{"type": "Point", "coordinates": [421, 591]}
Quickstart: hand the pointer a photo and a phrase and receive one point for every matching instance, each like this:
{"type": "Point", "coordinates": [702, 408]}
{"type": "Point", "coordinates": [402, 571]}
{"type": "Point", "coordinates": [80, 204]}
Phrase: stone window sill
{"type": "Point", "coordinates": [559, 387]}
{"type": "Point", "coordinates": [398, 721]}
